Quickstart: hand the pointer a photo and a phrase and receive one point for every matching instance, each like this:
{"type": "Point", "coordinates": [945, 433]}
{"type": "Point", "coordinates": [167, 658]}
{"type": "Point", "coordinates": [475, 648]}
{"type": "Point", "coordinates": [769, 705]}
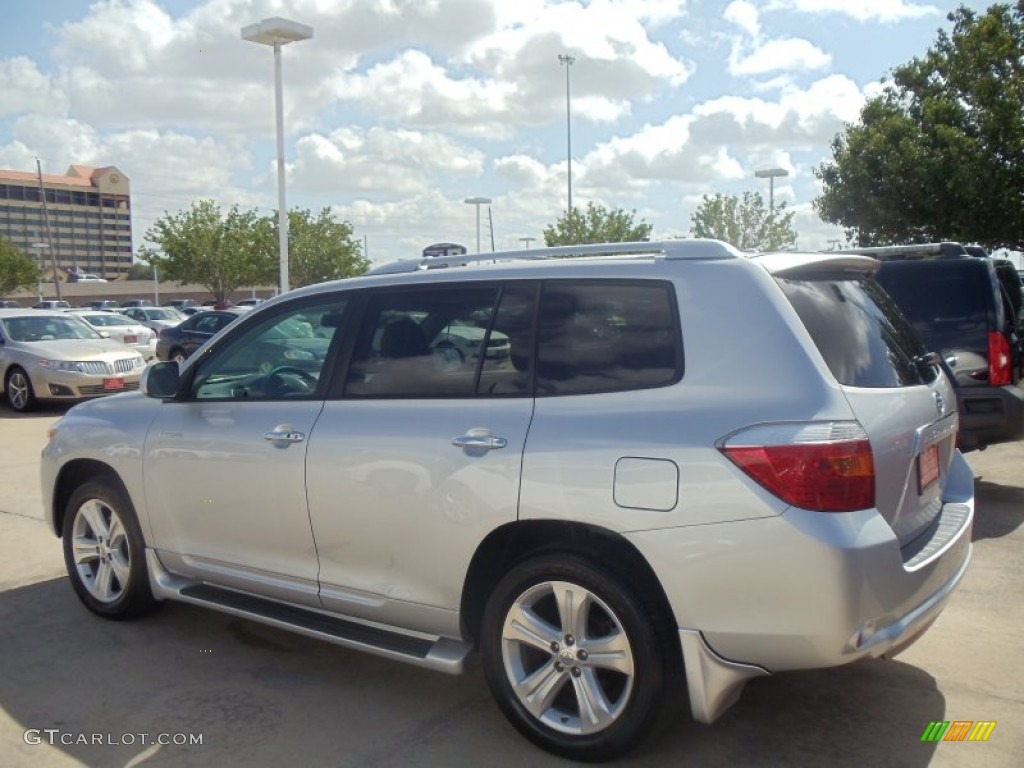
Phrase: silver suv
{"type": "Point", "coordinates": [690, 463]}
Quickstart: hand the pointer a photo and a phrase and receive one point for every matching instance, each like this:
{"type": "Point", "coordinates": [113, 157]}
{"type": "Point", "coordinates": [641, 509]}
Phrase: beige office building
{"type": "Point", "coordinates": [90, 219]}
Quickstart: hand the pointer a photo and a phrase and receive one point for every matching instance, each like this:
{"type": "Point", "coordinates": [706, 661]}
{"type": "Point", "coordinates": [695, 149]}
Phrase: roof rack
{"type": "Point", "coordinates": [944, 250]}
{"type": "Point", "coordinates": [693, 248]}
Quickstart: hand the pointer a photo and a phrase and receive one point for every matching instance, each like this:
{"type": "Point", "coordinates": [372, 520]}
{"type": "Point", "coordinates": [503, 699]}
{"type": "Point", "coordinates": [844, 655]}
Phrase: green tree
{"type": "Point", "coordinates": [320, 248]}
{"type": "Point", "coordinates": [939, 154]}
{"type": "Point", "coordinates": [220, 252]}
{"type": "Point", "coordinates": [596, 225]}
{"type": "Point", "coordinates": [16, 269]}
{"type": "Point", "coordinates": [747, 223]}
{"type": "Point", "coordinates": [139, 271]}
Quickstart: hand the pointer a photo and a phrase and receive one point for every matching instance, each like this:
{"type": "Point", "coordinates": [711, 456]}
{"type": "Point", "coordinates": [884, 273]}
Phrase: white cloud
{"type": "Point", "coordinates": [780, 55]}
{"type": "Point", "coordinates": [26, 89]}
{"type": "Point", "coordinates": [744, 15]}
{"type": "Point", "coordinates": [380, 161]}
{"type": "Point", "coordinates": [862, 10]}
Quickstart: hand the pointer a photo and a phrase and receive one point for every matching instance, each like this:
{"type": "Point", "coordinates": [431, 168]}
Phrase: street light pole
{"type": "Point", "coordinates": [477, 201]}
{"type": "Point", "coordinates": [278, 32]}
{"type": "Point", "coordinates": [49, 232]}
{"type": "Point", "coordinates": [568, 61]}
{"type": "Point", "coordinates": [771, 174]}
{"type": "Point", "coordinates": [527, 240]}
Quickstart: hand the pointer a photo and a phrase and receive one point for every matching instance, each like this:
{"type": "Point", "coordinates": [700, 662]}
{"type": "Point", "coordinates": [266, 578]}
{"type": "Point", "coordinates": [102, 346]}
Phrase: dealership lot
{"type": "Point", "coordinates": [259, 696]}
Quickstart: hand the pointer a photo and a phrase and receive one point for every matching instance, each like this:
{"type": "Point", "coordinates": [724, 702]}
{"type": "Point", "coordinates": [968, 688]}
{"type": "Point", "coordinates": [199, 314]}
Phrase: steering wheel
{"type": "Point", "coordinates": [274, 374]}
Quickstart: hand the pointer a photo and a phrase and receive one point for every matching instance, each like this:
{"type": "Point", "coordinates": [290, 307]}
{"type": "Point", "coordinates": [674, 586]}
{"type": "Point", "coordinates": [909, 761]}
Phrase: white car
{"type": "Point", "coordinates": [88, 279]}
{"type": "Point", "coordinates": [155, 318]}
{"type": "Point", "coordinates": [114, 325]}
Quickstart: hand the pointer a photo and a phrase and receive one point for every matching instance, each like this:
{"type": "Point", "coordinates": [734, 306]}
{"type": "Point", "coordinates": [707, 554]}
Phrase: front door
{"type": "Point", "coordinates": [225, 465]}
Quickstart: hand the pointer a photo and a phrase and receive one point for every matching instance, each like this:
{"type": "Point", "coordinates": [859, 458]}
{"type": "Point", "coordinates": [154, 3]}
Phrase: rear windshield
{"type": "Point", "coordinates": [863, 337]}
{"type": "Point", "coordinates": [944, 290]}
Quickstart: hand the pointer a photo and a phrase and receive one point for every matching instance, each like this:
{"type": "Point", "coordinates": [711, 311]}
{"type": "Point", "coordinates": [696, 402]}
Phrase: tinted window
{"type": "Point", "coordinates": [859, 331]}
{"type": "Point", "coordinates": [607, 336]}
{"type": "Point", "coordinates": [437, 342]}
{"type": "Point", "coordinates": [951, 304]}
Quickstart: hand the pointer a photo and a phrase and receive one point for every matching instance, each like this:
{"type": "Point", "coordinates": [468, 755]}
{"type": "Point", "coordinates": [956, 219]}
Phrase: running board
{"type": "Point", "coordinates": [441, 654]}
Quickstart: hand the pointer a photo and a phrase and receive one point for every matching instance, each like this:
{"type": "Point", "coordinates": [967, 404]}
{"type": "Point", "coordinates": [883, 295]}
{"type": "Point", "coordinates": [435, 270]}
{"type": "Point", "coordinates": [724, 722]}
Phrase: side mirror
{"type": "Point", "coordinates": [160, 380]}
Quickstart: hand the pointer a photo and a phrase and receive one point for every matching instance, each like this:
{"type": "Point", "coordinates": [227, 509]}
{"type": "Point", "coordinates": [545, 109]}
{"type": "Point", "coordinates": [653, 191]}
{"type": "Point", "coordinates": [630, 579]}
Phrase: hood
{"type": "Point", "coordinates": [78, 349]}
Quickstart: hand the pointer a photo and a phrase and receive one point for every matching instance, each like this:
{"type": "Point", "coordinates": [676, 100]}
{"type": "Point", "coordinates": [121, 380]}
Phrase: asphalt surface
{"type": "Point", "coordinates": [258, 696]}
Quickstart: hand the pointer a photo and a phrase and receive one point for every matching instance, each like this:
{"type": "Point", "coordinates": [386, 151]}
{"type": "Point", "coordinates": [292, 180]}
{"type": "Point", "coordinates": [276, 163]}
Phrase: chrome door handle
{"type": "Point", "coordinates": [284, 436]}
{"type": "Point", "coordinates": [479, 441]}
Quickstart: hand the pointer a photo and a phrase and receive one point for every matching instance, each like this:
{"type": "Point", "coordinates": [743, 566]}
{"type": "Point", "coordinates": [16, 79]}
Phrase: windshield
{"type": "Point", "coordinates": [162, 314]}
{"type": "Point", "coordinates": [105, 319]}
{"type": "Point", "coordinates": [47, 329]}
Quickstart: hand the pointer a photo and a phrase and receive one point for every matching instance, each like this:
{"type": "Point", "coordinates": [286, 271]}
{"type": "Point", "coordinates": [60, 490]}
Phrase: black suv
{"type": "Point", "coordinates": [959, 305]}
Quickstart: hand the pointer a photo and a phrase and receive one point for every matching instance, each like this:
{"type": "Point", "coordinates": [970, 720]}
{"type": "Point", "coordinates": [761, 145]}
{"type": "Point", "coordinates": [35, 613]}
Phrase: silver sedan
{"type": "Point", "coordinates": [46, 355]}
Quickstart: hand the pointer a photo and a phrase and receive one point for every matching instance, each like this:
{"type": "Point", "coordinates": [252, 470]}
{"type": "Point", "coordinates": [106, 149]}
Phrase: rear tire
{"type": "Point", "coordinates": [105, 553]}
{"type": "Point", "coordinates": [572, 658]}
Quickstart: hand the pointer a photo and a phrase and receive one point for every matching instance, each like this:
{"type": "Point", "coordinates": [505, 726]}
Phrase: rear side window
{"type": "Point", "coordinates": [859, 331]}
{"type": "Point", "coordinates": [607, 336]}
{"type": "Point", "coordinates": [445, 342]}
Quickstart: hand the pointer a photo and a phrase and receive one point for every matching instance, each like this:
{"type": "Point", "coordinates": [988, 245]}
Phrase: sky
{"type": "Point", "coordinates": [396, 111]}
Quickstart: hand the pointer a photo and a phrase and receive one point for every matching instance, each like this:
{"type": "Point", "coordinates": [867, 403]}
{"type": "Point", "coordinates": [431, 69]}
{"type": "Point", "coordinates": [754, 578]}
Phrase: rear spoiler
{"type": "Point", "coordinates": [817, 265]}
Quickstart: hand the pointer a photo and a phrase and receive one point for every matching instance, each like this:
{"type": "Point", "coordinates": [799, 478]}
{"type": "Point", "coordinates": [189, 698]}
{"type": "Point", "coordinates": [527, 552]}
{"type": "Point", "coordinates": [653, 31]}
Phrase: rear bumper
{"type": "Point", "coordinates": [805, 590]}
{"type": "Point", "coordinates": [990, 415]}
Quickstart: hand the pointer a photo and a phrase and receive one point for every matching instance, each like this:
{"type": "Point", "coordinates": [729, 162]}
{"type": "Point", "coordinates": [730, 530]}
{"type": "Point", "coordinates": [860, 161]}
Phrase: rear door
{"type": "Point", "coordinates": [418, 452]}
{"type": "Point", "coordinates": [901, 398]}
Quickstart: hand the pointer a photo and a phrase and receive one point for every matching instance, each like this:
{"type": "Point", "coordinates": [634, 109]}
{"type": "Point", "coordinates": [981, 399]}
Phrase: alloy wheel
{"type": "Point", "coordinates": [567, 657]}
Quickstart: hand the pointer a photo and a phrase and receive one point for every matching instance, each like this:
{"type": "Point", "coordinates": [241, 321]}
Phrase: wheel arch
{"type": "Point", "coordinates": [515, 542]}
{"type": "Point", "coordinates": [70, 477]}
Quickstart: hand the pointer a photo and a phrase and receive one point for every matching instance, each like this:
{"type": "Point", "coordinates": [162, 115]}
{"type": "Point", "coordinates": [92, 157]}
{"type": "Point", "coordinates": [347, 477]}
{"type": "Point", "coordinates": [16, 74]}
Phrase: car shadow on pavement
{"type": "Point", "coordinates": [261, 696]}
{"type": "Point", "coordinates": [42, 409]}
{"type": "Point", "coordinates": [998, 510]}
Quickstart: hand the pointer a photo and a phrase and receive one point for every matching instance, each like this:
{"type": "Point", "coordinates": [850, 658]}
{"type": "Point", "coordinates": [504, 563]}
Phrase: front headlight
{"type": "Point", "coordinates": [61, 365]}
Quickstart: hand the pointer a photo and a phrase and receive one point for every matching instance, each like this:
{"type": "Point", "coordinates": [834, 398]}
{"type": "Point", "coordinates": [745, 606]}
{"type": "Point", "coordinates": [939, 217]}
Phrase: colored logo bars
{"type": "Point", "coordinates": [959, 730]}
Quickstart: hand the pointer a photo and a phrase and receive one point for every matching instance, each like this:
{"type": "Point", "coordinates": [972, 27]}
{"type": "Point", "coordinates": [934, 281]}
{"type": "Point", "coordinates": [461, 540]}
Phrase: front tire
{"type": "Point", "coordinates": [572, 658]}
{"type": "Point", "coordinates": [105, 553]}
{"type": "Point", "coordinates": [20, 395]}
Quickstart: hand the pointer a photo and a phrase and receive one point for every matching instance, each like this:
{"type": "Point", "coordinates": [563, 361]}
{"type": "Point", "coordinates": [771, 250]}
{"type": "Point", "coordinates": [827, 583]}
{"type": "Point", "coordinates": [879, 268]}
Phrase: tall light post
{"type": "Point", "coordinates": [477, 201]}
{"type": "Point", "coordinates": [527, 240]}
{"type": "Point", "coordinates": [771, 174]}
{"type": "Point", "coordinates": [567, 60]}
{"type": "Point", "coordinates": [278, 32]}
{"type": "Point", "coordinates": [39, 248]}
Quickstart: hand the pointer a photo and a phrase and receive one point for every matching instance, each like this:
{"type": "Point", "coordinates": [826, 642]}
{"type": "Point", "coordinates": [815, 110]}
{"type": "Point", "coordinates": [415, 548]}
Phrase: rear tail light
{"type": "Point", "coordinates": [824, 467]}
{"type": "Point", "coordinates": [998, 359]}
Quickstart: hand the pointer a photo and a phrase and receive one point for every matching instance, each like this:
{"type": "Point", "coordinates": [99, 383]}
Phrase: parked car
{"type": "Point", "coordinates": [249, 302]}
{"type": "Point", "coordinates": [114, 325]}
{"type": "Point", "coordinates": [105, 304]}
{"type": "Point", "coordinates": [9, 303]}
{"type": "Point", "coordinates": [51, 304]}
{"type": "Point", "coordinates": [648, 495]}
{"type": "Point", "coordinates": [136, 303]}
{"type": "Point", "coordinates": [958, 306]}
{"type": "Point", "coordinates": [86, 278]}
{"type": "Point", "coordinates": [156, 318]}
{"type": "Point", "coordinates": [48, 355]}
{"type": "Point", "coordinates": [189, 311]}
{"type": "Point", "coordinates": [181, 303]}
{"type": "Point", "coordinates": [178, 342]}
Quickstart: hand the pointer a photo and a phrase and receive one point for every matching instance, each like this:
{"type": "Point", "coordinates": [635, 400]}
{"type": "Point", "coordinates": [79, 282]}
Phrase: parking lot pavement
{"type": "Point", "coordinates": [258, 696]}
